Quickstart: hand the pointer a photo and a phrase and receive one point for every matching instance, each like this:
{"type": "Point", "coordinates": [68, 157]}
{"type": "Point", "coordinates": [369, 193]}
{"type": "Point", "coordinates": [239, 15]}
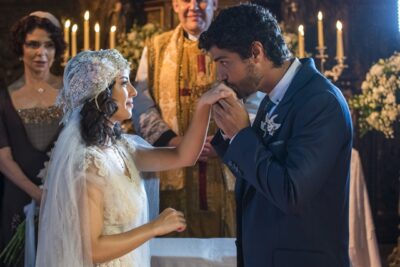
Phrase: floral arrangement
{"type": "Point", "coordinates": [290, 38]}
{"type": "Point", "coordinates": [378, 104]}
{"type": "Point", "coordinates": [131, 44]}
{"type": "Point", "coordinates": [13, 252]}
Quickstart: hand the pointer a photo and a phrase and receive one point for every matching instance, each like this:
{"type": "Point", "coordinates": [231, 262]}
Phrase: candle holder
{"type": "Point", "coordinates": [322, 57]}
{"type": "Point", "coordinates": [336, 70]}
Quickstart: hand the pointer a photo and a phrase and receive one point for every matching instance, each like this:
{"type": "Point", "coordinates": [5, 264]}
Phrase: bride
{"type": "Point", "coordinates": [94, 209]}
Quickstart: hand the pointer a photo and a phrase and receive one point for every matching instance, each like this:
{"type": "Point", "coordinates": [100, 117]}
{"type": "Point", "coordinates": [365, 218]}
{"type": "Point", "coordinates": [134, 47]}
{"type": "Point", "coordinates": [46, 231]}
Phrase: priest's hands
{"type": "Point", "coordinates": [230, 115]}
{"type": "Point", "coordinates": [208, 150]}
{"type": "Point", "coordinates": [168, 221]}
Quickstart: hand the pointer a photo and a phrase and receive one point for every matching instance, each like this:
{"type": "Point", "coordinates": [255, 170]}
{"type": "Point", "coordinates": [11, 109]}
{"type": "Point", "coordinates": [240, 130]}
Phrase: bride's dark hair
{"type": "Point", "coordinates": [95, 121]}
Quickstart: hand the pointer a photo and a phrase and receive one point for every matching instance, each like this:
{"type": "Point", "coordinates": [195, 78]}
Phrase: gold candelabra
{"type": "Point", "coordinates": [336, 70]}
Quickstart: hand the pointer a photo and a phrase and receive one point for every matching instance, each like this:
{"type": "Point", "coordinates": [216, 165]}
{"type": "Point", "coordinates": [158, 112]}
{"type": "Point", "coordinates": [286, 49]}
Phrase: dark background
{"type": "Point", "coordinates": [371, 32]}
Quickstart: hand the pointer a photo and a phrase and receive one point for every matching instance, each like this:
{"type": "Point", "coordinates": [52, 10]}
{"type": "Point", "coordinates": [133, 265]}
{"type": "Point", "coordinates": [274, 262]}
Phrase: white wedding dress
{"type": "Point", "coordinates": [64, 225]}
{"type": "Point", "coordinates": [125, 200]}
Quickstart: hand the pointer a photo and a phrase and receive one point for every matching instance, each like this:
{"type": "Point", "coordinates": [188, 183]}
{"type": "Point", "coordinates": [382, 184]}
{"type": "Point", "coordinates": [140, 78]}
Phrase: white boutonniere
{"type": "Point", "coordinates": [268, 125]}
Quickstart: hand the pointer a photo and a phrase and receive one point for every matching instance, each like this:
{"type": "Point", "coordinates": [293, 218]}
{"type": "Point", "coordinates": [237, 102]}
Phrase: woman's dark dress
{"type": "Point", "coordinates": [30, 133]}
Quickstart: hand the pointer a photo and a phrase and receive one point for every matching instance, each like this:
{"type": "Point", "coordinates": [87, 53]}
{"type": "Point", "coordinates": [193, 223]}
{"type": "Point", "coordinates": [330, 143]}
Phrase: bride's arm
{"type": "Point", "coordinates": [188, 151]}
{"type": "Point", "coordinates": [108, 247]}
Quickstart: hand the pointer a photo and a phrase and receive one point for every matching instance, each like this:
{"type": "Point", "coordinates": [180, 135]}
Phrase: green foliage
{"type": "Point", "coordinates": [13, 252]}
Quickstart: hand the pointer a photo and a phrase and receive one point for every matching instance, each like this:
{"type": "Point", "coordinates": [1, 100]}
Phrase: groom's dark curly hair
{"type": "Point", "coordinates": [237, 28]}
{"type": "Point", "coordinates": [95, 122]}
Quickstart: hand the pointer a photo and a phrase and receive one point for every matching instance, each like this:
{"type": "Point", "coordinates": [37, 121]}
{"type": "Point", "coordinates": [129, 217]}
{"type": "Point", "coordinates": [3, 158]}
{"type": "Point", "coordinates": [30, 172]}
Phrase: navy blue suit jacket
{"type": "Point", "coordinates": [292, 187]}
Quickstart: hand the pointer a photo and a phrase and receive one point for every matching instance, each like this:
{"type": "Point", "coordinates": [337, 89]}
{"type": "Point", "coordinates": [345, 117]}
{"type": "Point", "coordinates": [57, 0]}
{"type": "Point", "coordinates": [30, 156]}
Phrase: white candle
{"type": "Point", "coordinates": [86, 31]}
{"type": "Point", "coordinates": [97, 37]}
{"type": "Point", "coordinates": [73, 40]}
{"type": "Point", "coordinates": [320, 30]}
{"type": "Point", "coordinates": [339, 41]}
{"type": "Point", "coordinates": [301, 42]}
{"type": "Point", "coordinates": [112, 36]}
{"type": "Point", "coordinates": [67, 24]}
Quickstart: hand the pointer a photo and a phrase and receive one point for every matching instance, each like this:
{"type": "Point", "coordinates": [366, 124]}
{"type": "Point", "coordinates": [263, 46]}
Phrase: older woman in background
{"type": "Point", "coordinates": [29, 120]}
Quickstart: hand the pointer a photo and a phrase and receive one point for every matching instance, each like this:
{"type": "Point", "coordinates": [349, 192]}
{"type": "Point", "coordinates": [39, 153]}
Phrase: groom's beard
{"type": "Point", "coordinates": [248, 85]}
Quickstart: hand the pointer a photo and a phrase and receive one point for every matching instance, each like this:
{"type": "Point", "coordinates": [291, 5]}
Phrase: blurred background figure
{"type": "Point", "coordinates": [29, 120]}
{"type": "Point", "coordinates": [172, 74]}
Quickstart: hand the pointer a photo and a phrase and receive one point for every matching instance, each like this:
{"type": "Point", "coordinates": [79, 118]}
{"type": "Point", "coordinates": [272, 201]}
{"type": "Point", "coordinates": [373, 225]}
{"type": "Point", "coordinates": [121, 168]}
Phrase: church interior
{"type": "Point", "coordinates": [350, 42]}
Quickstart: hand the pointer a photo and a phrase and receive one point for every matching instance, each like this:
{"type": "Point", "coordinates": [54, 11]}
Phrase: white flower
{"type": "Point", "coordinates": [364, 86]}
{"type": "Point", "coordinates": [131, 45]}
{"type": "Point", "coordinates": [376, 70]}
{"type": "Point", "coordinates": [390, 99]}
{"type": "Point", "coordinates": [269, 125]}
{"type": "Point", "coordinates": [131, 36]}
{"type": "Point", "coordinates": [377, 103]}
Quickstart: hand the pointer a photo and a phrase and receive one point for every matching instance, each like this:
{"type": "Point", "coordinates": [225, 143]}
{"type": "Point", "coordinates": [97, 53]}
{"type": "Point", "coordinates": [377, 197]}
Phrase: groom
{"type": "Point", "coordinates": [292, 164]}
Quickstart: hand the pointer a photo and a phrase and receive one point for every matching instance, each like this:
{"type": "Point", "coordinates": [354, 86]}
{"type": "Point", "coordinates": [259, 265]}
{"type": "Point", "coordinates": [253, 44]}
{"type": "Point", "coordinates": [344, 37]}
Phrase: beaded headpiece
{"type": "Point", "coordinates": [87, 75]}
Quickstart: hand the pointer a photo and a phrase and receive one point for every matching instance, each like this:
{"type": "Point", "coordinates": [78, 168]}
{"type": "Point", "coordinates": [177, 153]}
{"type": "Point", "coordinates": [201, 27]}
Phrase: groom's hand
{"type": "Point", "coordinates": [230, 116]}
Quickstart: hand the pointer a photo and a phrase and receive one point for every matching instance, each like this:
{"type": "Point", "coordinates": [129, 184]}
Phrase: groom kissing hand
{"type": "Point", "coordinates": [292, 164]}
{"type": "Point", "coordinates": [230, 116]}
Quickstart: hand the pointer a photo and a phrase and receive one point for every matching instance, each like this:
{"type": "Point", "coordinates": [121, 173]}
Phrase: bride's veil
{"type": "Point", "coordinates": [64, 239]}
{"type": "Point", "coordinates": [64, 227]}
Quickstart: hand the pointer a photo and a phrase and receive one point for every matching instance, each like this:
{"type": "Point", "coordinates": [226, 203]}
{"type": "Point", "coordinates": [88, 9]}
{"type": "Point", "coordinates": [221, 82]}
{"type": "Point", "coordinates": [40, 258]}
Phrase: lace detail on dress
{"type": "Point", "coordinates": [94, 158]}
{"type": "Point", "coordinates": [125, 200]}
{"type": "Point", "coordinates": [124, 197]}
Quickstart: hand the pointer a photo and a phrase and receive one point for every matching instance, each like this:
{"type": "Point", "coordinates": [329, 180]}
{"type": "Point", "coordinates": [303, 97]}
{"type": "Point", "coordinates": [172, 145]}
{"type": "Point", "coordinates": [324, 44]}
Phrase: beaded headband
{"type": "Point", "coordinates": [87, 75]}
{"type": "Point", "coordinates": [47, 15]}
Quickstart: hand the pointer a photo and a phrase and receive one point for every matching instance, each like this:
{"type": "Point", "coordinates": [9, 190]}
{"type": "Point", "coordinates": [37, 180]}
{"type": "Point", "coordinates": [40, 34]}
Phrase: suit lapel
{"type": "Point", "coordinates": [302, 77]}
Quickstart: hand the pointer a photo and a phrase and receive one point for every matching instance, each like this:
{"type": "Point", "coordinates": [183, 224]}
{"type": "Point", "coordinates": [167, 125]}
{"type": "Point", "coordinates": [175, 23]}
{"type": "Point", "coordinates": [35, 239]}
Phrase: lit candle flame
{"type": "Point", "coordinates": [339, 25]}
{"type": "Point", "coordinates": [320, 17]}
{"type": "Point", "coordinates": [67, 23]}
{"type": "Point", "coordinates": [74, 28]}
{"type": "Point", "coordinates": [113, 28]}
{"type": "Point", "coordinates": [301, 30]}
{"type": "Point", "coordinates": [86, 15]}
{"type": "Point", "coordinates": [97, 27]}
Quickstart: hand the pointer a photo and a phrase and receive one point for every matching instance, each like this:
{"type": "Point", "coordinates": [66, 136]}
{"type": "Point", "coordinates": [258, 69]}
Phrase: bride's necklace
{"type": "Point", "coordinates": [119, 157]}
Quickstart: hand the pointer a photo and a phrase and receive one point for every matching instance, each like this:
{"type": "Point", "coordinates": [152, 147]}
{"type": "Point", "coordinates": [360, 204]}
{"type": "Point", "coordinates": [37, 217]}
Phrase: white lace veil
{"type": "Point", "coordinates": [63, 219]}
{"type": "Point", "coordinates": [64, 228]}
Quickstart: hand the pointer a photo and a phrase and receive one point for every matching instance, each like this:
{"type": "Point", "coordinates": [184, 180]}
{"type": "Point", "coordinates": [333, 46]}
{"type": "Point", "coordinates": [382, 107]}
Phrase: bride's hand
{"type": "Point", "coordinates": [168, 221]}
{"type": "Point", "coordinates": [216, 93]}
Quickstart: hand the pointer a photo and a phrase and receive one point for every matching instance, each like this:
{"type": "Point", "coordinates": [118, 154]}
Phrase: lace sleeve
{"type": "Point", "coordinates": [95, 167]}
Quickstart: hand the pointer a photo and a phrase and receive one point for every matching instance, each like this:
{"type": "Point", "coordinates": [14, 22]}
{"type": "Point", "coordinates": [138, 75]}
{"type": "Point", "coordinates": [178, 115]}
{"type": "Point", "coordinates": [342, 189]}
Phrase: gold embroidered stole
{"type": "Point", "coordinates": [182, 73]}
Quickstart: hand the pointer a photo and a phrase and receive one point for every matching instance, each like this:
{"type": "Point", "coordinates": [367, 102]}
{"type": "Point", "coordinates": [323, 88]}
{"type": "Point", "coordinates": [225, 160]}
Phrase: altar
{"type": "Point", "coordinates": [193, 252]}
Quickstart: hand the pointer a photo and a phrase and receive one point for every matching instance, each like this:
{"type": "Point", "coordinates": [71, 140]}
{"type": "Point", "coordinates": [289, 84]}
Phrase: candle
{"type": "Point", "coordinates": [112, 36]}
{"type": "Point", "coordinates": [320, 31]}
{"type": "Point", "coordinates": [301, 41]}
{"type": "Point", "coordinates": [97, 36]}
{"type": "Point", "coordinates": [67, 24]}
{"type": "Point", "coordinates": [73, 40]}
{"type": "Point", "coordinates": [86, 31]}
{"type": "Point", "coordinates": [339, 41]}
